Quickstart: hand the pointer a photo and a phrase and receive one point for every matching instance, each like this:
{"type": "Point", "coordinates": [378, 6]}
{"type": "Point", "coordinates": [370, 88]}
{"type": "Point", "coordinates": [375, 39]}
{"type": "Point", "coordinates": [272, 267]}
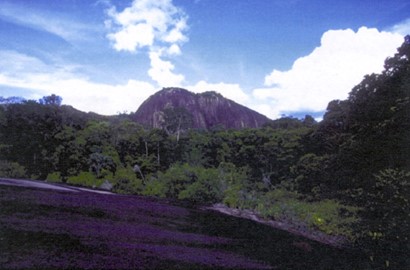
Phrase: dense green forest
{"type": "Point", "coordinates": [348, 175]}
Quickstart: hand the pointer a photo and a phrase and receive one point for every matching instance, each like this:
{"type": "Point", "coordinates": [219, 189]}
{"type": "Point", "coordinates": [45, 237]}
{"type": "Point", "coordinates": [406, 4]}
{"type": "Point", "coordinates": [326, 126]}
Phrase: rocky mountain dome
{"type": "Point", "coordinates": [204, 110]}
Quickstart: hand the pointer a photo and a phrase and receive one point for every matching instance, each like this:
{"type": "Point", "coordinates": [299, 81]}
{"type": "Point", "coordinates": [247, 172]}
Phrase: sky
{"type": "Point", "coordinates": [278, 57]}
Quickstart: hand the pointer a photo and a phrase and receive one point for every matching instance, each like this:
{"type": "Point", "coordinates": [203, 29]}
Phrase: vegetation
{"type": "Point", "coordinates": [347, 175]}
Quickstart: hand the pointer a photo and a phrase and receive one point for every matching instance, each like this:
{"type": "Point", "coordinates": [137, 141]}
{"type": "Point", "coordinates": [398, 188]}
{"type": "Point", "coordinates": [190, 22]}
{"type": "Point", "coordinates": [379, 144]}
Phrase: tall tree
{"type": "Point", "coordinates": [51, 100]}
{"type": "Point", "coordinates": [29, 131]}
{"type": "Point", "coordinates": [176, 121]}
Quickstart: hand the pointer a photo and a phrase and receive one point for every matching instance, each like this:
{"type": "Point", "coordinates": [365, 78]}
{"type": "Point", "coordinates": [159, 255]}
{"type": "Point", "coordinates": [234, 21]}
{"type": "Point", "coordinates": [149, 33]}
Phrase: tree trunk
{"type": "Point", "coordinates": [178, 129]}
{"type": "Point", "coordinates": [158, 157]}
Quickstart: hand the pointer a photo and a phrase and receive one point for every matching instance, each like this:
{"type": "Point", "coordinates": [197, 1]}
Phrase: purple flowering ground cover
{"type": "Point", "coordinates": [48, 229]}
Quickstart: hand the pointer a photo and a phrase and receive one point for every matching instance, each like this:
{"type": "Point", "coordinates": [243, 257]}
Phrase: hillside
{"type": "Point", "coordinates": [48, 229]}
{"type": "Point", "coordinates": [204, 111]}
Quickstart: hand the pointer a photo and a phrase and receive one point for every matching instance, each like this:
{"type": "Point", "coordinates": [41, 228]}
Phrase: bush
{"type": "Point", "coordinates": [11, 169]}
{"type": "Point", "coordinates": [127, 186]}
{"type": "Point", "coordinates": [154, 187]}
{"type": "Point", "coordinates": [177, 178]}
{"type": "Point", "coordinates": [332, 217]}
{"type": "Point", "coordinates": [234, 185]}
{"type": "Point", "coordinates": [54, 177]}
{"type": "Point", "coordinates": [385, 222]}
{"type": "Point", "coordinates": [126, 182]}
{"type": "Point", "coordinates": [328, 216]}
{"type": "Point", "coordinates": [185, 182]}
{"type": "Point", "coordinates": [86, 179]}
{"type": "Point", "coordinates": [233, 196]}
{"type": "Point", "coordinates": [206, 189]}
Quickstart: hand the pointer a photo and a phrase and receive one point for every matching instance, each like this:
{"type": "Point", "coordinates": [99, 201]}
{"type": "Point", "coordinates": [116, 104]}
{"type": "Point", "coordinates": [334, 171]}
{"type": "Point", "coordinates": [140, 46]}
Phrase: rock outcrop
{"type": "Point", "coordinates": [207, 110]}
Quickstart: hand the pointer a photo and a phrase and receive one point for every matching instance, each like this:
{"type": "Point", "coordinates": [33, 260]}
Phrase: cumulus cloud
{"type": "Point", "coordinates": [40, 79]}
{"type": "Point", "coordinates": [329, 72]}
{"type": "Point", "coordinates": [231, 91]}
{"type": "Point", "coordinates": [157, 26]}
{"type": "Point", "coordinates": [173, 50]}
{"type": "Point", "coordinates": [134, 36]}
{"type": "Point", "coordinates": [402, 28]}
{"type": "Point", "coordinates": [147, 22]}
{"type": "Point", "coordinates": [161, 71]}
{"type": "Point", "coordinates": [27, 72]}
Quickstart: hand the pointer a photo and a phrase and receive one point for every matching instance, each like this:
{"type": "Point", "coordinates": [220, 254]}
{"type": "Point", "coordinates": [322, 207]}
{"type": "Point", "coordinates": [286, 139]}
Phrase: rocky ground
{"type": "Point", "coordinates": [296, 229]}
{"type": "Point", "coordinates": [49, 229]}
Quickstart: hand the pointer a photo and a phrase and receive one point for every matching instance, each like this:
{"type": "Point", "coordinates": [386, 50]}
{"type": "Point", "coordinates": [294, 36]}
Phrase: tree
{"type": "Point", "coordinates": [309, 121]}
{"type": "Point", "coordinates": [197, 151]}
{"type": "Point", "coordinates": [156, 143]}
{"type": "Point", "coordinates": [310, 174]}
{"type": "Point", "coordinates": [126, 137]}
{"type": "Point", "coordinates": [69, 156]}
{"type": "Point", "coordinates": [138, 171]}
{"type": "Point", "coordinates": [98, 162]}
{"type": "Point", "coordinates": [29, 132]}
{"type": "Point", "coordinates": [386, 219]}
{"type": "Point", "coordinates": [369, 135]}
{"type": "Point", "coordinates": [51, 100]}
{"type": "Point", "coordinates": [379, 119]}
{"type": "Point", "coordinates": [11, 169]}
{"type": "Point", "coordinates": [11, 100]}
{"type": "Point", "coordinates": [176, 120]}
{"type": "Point", "coordinates": [370, 131]}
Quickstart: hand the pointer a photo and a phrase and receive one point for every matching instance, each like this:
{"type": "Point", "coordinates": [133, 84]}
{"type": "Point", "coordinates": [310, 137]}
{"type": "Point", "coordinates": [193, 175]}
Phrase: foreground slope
{"type": "Point", "coordinates": [64, 229]}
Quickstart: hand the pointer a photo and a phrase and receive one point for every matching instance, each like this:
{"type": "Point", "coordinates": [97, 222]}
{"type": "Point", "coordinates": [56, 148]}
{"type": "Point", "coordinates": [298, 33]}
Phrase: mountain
{"type": "Point", "coordinates": [204, 111]}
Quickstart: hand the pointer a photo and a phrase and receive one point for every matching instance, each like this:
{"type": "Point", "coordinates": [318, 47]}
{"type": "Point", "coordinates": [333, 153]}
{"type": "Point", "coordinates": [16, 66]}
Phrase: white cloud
{"type": "Point", "coordinates": [132, 37]}
{"type": "Point", "coordinates": [174, 50]}
{"type": "Point", "coordinates": [58, 25]}
{"type": "Point", "coordinates": [402, 28]}
{"type": "Point", "coordinates": [329, 72]}
{"type": "Point", "coordinates": [41, 79]}
{"type": "Point", "coordinates": [231, 91]}
{"type": "Point", "coordinates": [176, 34]}
{"type": "Point", "coordinates": [78, 91]}
{"type": "Point", "coordinates": [14, 62]}
{"type": "Point", "coordinates": [157, 26]}
{"type": "Point", "coordinates": [161, 71]}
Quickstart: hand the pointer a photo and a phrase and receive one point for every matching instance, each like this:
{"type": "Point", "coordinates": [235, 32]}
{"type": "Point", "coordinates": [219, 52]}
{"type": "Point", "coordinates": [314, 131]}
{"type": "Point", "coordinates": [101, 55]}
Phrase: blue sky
{"type": "Point", "coordinates": [278, 57]}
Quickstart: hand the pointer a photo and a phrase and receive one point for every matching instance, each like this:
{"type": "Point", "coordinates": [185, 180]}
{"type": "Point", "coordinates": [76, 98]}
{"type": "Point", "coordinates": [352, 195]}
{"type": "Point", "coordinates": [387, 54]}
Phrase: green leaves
{"type": "Point", "coordinates": [11, 169]}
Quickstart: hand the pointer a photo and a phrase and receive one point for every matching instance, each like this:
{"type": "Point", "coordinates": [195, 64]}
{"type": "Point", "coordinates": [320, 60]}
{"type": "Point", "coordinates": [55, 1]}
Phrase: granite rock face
{"type": "Point", "coordinates": [208, 109]}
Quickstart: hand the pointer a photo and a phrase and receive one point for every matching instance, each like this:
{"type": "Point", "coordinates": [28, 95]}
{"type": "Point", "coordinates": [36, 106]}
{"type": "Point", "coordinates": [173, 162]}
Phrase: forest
{"type": "Point", "coordinates": [348, 175]}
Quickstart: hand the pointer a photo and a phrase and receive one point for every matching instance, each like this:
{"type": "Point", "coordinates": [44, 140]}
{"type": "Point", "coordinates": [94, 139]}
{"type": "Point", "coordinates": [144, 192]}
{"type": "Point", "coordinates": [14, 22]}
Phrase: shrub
{"type": "Point", "coordinates": [234, 185]}
{"type": "Point", "coordinates": [127, 186]}
{"type": "Point", "coordinates": [11, 169]}
{"type": "Point", "coordinates": [177, 178]}
{"type": "Point", "coordinates": [332, 217]}
{"type": "Point", "coordinates": [233, 196]}
{"type": "Point", "coordinates": [155, 187]}
{"type": "Point", "coordinates": [87, 179]}
{"type": "Point", "coordinates": [329, 216]}
{"type": "Point", "coordinates": [126, 181]}
{"type": "Point", "coordinates": [385, 225]}
{"type": "Point", "coordinates": [54, 177]}
{"type": "Point", "coordinates": [206, 189]}
{"type": "Point", "coordinates": [185, 182]}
